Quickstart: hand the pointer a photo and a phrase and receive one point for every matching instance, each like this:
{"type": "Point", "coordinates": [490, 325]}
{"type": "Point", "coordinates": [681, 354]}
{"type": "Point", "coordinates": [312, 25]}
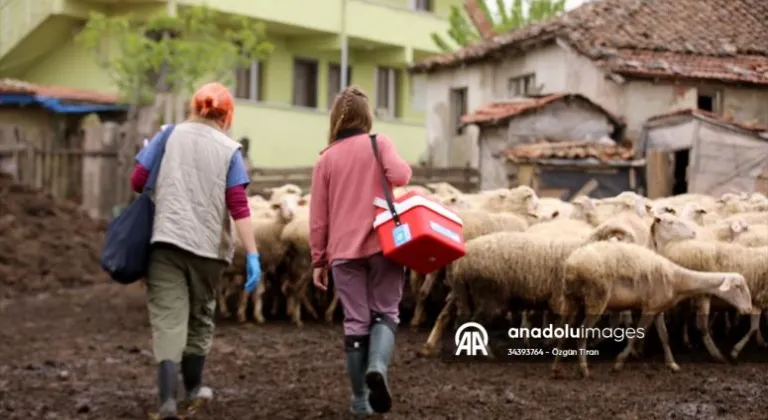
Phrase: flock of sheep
{"type": "Point", "coordinates": [525, 254]}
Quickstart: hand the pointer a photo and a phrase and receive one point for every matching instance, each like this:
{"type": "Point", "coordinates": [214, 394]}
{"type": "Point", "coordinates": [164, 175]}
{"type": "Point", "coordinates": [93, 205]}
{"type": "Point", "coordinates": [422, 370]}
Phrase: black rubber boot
{"type": "Point", "coordinates": [379, 357]}
{"type": "Point", "coordinates": [356, 349]}
{"type": "Point", "coordinates": [192, 371]}
{"type": "Point", "coordinates": [167, 386]}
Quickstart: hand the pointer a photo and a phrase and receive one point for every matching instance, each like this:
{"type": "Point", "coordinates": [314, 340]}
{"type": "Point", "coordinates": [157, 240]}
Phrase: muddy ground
{"type": "Point", "coordinates": [85, 354]}
{"type": "Point", "coordinates": [45, 244]}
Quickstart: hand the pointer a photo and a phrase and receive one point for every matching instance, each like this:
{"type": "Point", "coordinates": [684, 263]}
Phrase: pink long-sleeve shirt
{"type": "Point", "coordinates": [237, 201]}
{"type": "Point", "coordinates": [345, 181]}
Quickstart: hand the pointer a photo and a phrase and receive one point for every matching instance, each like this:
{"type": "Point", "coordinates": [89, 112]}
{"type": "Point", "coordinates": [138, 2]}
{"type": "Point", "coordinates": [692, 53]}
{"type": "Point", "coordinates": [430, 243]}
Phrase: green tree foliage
{"type": "Point", "coordinates": [516, 15]}
{"type": "Point", "coordinates": [172, 53]}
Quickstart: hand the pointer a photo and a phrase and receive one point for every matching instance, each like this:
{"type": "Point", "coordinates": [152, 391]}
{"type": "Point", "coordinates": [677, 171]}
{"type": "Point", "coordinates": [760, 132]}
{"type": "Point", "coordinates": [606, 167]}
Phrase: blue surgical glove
{"type": "Point", "coordinates": [253, 271]}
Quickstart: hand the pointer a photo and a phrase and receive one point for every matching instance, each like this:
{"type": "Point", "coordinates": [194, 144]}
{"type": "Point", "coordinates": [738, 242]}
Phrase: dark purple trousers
{"type": "Point", "coordinates": [366, 286]}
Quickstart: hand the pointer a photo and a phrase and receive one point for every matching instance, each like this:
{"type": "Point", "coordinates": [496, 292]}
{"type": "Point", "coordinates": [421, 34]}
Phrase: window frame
{"type": "Point", "coordinates": [315, 65]}
{"type": "Point", "coordinates": [255, 91]}
{"type": "Point", "coordinates": [391, 110]}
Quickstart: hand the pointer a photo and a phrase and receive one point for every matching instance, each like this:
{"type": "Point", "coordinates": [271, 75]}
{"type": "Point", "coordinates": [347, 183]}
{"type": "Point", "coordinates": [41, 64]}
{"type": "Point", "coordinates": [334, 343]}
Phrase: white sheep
{"type": "Point", "coordinates": [443, 189]}
{"type": "Point", "coordinates": [718, 256]}
{"type": "Point", "coordinates": [752, 236]}
{"type": "Point", "coordinates": [276, 193]}
{"type": "Point", "coordinates": [298, 276]}
{"type": "Point", "coordinates": [502, 267]}
{"type": "Point", "coordinates": [566, 227]}
{"type": "Point", "coordinates": [521, 200]}
{"type": "Point", "coordinates": [476, 223]}
{"type": "Point", "coordinates": [267, 231]}
{"type": "Point", "coordinates": [620, 276]}
{"type": "Point", "coordinates": [401, 191]}
{"type": "Point", "coordinates": [753, 218]}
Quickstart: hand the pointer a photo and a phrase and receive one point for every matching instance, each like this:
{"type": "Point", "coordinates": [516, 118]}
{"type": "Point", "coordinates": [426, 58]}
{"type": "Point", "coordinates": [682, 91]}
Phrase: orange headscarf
{"type": "Point", "coordinates": [214, 101]}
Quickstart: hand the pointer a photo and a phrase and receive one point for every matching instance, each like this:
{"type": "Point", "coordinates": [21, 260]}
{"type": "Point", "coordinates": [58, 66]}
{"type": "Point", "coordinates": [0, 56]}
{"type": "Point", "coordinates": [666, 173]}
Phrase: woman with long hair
{"type": "Point", "coordinates": [345, 181]}
{"type": "Point", "coordinates": [200, 185]}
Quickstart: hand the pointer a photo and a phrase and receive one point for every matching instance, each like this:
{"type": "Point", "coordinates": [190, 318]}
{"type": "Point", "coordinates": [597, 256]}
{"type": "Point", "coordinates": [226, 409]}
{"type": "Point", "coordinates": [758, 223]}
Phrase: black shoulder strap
{"type": "Point", "coordinates": [384, 184]}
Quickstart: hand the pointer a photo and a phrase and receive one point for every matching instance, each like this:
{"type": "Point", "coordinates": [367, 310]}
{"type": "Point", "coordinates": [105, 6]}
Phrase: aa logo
{"type": "Point", "coordinates": [470, 339]}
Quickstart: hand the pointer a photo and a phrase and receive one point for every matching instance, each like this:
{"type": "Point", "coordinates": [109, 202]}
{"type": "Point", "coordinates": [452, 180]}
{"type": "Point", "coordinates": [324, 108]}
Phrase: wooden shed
{"type": "Point", "coordinates": [696, 151]}
{"type": "Point", "coordinates": [567, 169]}
{"type": "Point", "coordinates": [555, 117]}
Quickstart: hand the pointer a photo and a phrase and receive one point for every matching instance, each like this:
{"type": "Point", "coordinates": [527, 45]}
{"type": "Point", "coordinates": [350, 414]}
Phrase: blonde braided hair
{"type": "Point", "coordinates": [350, 110]}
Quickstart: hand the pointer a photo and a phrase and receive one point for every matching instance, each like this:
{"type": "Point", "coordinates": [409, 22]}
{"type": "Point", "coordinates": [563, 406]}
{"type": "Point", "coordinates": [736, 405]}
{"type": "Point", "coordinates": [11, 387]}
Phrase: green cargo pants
{"type": "Point", "coordinates": [182, 301]}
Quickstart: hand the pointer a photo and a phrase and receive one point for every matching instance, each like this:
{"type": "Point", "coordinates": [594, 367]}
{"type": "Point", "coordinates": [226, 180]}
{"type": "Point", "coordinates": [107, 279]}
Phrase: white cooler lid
{"type": "Point", "coordinates": [408, 204]}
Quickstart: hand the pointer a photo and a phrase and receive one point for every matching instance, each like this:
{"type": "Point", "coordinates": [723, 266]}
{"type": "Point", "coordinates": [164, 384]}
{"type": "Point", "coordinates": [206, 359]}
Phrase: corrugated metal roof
{"type": "Point", "coordinates": [500, 111]}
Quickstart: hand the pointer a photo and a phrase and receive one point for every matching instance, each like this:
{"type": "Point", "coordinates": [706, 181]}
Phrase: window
{"type": "Point", "coordinates": [710, 100]}
{"type": "Point", "coordinates": [387, 88]}
{"type": "Point", "coordinates": [305, 83]}
{"type": "Point", "coordinates": [422, 5]}
{"type": "Point", "coordinates": [521, 86]}
{"type": "Point", "coordinates": [458, 107]}
{"type": "Point", "coordinates": [248, 82]}
{"type": "Point", "coordinates": [334, 81]}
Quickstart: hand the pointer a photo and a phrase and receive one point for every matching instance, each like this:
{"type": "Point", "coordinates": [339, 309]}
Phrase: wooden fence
{"type": "Point", "coordinates": [466, 179]}
{"type": "Point", "coordinates": [91, 168]}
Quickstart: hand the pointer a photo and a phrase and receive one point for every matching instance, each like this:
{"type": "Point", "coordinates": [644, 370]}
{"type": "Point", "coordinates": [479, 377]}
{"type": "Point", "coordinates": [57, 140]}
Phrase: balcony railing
{"type": "Point", "coordinates": [18, 18]}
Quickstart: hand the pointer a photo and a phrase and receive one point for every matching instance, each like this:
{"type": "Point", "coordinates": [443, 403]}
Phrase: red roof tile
{"type": "Point", "coordinates": [497, 112]}
{"type": "Point", "coordinates": [752, 126]}
{"type": "Point", "coordinates": [652, 64]}
{"type": "Point", "coordinates": [569, 150]}
{"type": "Point", "coordinates": [59, 92]}
{"type": "Point", "coordinates": [607, 30]}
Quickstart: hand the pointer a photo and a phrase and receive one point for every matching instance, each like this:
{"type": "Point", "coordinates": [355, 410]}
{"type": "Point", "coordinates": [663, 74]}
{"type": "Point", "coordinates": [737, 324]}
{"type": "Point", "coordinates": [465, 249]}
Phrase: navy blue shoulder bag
{"type": "Point", "coordinates": [125, 255]}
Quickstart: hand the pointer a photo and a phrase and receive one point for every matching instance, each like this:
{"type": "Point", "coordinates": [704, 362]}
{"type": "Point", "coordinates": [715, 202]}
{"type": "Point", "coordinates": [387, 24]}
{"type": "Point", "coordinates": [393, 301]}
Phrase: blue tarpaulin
{"type": "Point", "coordinates": [57, 105]}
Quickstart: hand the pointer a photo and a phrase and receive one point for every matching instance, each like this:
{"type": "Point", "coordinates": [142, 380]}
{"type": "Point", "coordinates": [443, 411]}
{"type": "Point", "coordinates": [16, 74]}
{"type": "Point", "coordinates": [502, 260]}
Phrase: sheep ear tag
{"type": "Point", "coordinates": [725, 285]}
{"type": "Point", "coordinates": [401, 234]}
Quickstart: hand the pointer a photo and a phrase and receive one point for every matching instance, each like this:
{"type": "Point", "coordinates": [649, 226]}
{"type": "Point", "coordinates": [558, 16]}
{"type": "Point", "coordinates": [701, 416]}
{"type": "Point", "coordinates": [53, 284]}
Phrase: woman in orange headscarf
{"type": "Point", "coordinates": [200, 182]}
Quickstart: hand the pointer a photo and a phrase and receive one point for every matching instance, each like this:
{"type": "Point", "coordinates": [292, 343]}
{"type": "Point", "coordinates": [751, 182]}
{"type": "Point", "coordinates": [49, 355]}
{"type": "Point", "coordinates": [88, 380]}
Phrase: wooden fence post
{"type": "Point", "coordinates": [93, 165]}
{"type": "Point", "coordinates": [9, 153]}
{"type": "Point", "coordinates": [112, 184]}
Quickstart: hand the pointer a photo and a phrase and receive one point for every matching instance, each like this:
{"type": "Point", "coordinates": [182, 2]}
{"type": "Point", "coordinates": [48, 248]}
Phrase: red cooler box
{"type": "Point", "coordinates": [429, 237]}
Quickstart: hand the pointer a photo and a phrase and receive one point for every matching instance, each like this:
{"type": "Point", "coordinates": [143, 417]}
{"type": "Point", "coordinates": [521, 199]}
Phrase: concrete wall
{"type": "Point", "coordinates": [560, 69]}
{"type": "Point", "coordinates": [746, 104]}
{"type": "Point", "coordinates": [283, 135]}
{"type": "Point", "coordinates": [557, 69]}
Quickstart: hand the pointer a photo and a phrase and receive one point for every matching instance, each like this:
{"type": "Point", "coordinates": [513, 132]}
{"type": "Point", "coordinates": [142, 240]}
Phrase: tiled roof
{"type": "Point", "coordinates": [59, 92]}
{"type": "Point", "coordinates": [751, 126]}
{"type": "Point", "coordinates": [741, 68]}
{"type": "Point", "coordinates": [571, 150]}
{"type": "Point", "coordinates": [607, 30]}
{"type": "Point", "coordinates": [497, 112]}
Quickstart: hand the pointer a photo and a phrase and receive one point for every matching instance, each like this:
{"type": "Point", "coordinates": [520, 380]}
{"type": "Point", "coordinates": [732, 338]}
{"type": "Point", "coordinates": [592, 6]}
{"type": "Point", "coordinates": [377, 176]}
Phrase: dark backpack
{"type": "Point", "coordinates": [125, 254]}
